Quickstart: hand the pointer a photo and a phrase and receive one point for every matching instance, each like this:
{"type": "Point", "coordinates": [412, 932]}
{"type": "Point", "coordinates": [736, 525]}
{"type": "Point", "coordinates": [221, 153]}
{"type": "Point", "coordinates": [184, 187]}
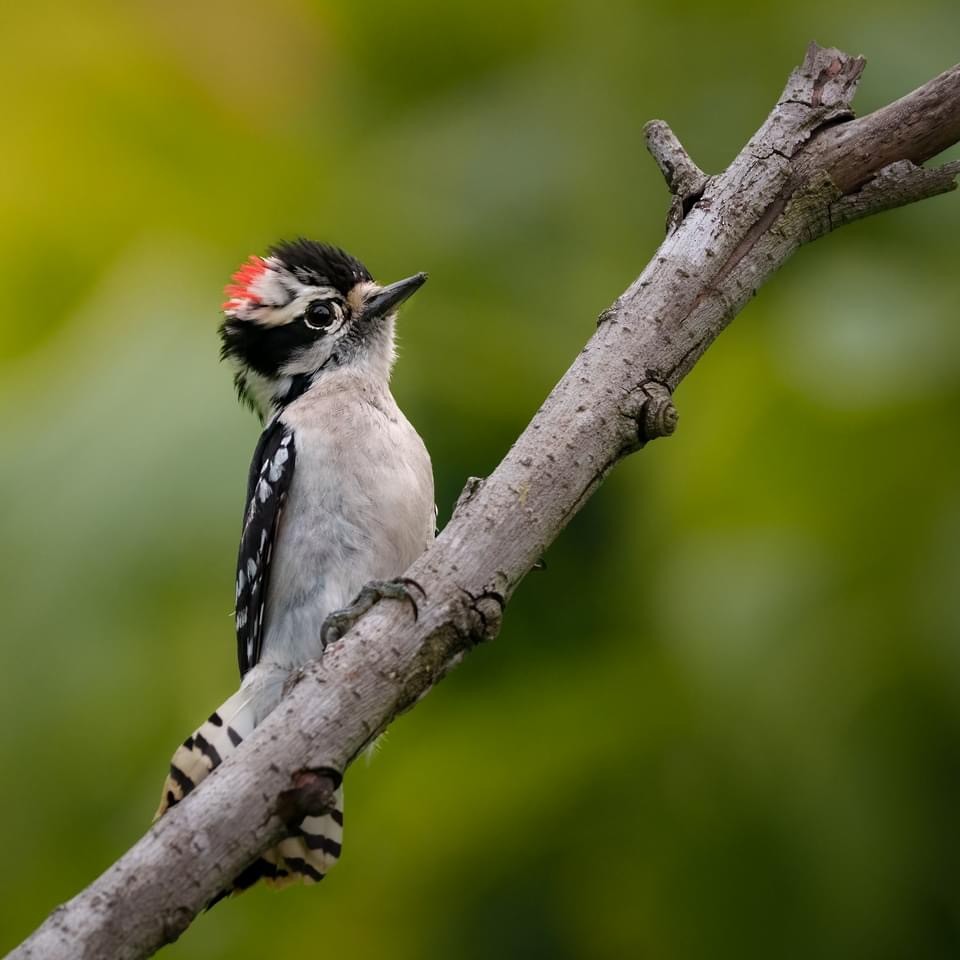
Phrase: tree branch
{"type": "Point", "coordinates": [809, 169]}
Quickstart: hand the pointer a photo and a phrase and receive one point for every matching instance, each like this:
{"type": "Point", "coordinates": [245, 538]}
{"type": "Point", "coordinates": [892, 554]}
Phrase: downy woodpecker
{"type": "Point", "coordinates": [339, 497]}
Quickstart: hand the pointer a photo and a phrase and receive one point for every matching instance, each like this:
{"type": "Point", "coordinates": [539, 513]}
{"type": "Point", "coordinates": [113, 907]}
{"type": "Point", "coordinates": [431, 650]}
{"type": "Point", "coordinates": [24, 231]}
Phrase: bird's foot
{"type": "Point", "coordinates": [341, 621]}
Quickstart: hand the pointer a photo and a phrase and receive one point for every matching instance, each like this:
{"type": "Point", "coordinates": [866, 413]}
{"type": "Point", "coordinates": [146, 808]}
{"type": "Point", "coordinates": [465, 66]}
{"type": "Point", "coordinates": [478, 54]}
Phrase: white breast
{"type": "Point", "coordinates": [360, 508]}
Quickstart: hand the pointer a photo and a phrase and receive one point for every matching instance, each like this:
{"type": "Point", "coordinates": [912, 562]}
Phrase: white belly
{"type": "Point", "coordinates": [360, 508]}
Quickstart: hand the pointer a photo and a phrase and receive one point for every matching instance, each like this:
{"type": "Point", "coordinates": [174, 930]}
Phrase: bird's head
{"type": "Point", "coordinates": [302, 311]}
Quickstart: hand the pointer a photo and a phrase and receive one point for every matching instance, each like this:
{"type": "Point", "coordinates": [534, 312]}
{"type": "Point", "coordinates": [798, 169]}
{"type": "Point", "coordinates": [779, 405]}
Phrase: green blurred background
{"type": "Point", "coordinates": [724, 723]}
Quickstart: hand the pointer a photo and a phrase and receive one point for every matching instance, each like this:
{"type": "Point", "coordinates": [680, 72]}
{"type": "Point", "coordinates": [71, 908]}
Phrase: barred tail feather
{"type": "Point", "coordinates": [305, 856]}
{"type": "Point", "coordinates": [313, 850]}
{"type": "Point", "coordinates": [203, 751]}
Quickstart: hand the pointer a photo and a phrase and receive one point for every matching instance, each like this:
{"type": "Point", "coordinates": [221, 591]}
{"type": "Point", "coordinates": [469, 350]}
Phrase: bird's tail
{"type": "Point", "coordinates": [314, 846]}
{"type": "Point", "coordinates": [204, 750]}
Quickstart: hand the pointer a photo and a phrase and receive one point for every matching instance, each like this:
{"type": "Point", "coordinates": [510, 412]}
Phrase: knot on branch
{"type": "Point", "coordinates": [469, 491]}
{"type": "Point", "coordinates": [658, 415]}
{"type": "Point", "coordinates": [312, 795]}
{"type": "Point", "coordinates": [174, 922]}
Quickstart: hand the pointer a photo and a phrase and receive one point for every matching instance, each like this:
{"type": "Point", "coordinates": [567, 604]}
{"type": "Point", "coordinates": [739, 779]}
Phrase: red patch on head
{"type": "Point", "coordinates": [242, 281]}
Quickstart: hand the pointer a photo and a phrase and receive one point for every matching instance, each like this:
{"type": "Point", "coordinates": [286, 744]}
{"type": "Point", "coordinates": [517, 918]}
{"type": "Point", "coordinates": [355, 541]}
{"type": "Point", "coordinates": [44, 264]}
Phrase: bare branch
{"type": "Point", "coordinates": [807, 170]}
{"type": "Point", "coordinates": [896, 185]}
{"type": "Point", "coordinates": [684, 178]}
{"type": "Point", "coordinates": [915, 127]}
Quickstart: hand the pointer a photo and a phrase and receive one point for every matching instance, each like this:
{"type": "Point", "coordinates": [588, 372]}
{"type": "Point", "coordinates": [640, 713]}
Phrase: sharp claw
{"type": "Point", "coordinates": [408, 582]}
{"type": "Point", "coordinates": [341, 622]}
{"type": "Point", "coordinates": [330, 632]}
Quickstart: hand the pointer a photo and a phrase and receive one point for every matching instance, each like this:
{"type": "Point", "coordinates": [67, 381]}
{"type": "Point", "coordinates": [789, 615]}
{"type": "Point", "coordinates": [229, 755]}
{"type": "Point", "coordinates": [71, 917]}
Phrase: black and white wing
{"type": "Point", "coordinates": [271, 472]}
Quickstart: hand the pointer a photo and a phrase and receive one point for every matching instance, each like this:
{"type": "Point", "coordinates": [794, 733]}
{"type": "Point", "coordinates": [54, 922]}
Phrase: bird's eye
{"type": "Point", "coordinates": [318, 315]}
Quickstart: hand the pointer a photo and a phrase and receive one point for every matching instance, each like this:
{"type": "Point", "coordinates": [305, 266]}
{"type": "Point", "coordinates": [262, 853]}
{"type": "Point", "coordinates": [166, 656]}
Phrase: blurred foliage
{"type": "Point", "coordinates": [725, 722]}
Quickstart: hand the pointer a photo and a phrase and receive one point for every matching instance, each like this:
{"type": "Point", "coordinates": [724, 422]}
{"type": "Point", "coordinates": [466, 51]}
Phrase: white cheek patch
{"type": "Point", "coordinates": [311, 358]}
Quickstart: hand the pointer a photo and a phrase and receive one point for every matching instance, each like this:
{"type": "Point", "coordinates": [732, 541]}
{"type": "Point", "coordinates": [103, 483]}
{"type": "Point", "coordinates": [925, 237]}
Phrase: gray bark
{"type": "Point", "coordinates": [809, 169]}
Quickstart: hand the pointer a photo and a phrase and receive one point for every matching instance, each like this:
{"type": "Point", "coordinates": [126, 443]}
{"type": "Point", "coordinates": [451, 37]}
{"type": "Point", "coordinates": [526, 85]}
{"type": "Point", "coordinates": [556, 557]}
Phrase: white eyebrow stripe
{"type": "Point", "coordinates": [283, 297]}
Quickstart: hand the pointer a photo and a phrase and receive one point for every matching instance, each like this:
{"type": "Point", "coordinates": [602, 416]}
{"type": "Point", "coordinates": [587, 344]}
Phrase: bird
{"type": "Point", "coordinates": [339, 502]}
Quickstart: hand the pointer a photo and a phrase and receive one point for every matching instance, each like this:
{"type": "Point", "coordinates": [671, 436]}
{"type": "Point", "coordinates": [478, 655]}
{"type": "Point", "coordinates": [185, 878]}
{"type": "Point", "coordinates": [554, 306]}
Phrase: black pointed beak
{"type": "Point", "coordinates": [388, 298]}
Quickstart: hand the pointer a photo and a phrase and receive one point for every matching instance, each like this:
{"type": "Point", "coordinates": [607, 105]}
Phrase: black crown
{"type": "Point", "coordinates": [320, 264]}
